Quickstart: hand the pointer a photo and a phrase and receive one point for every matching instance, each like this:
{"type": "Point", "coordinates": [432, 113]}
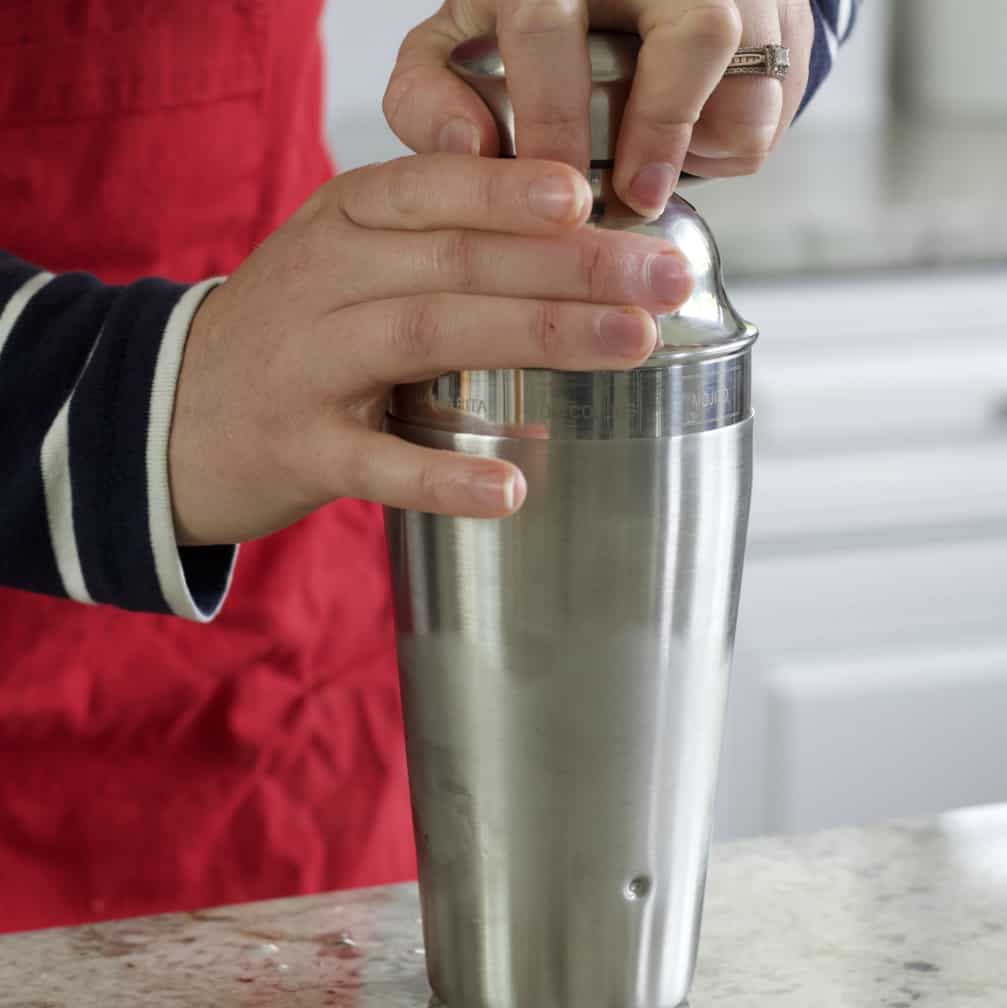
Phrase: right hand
{"type": "Point", "coordinates": [682, 113]}
{"type": "Point", "coordinates": [396, 273]}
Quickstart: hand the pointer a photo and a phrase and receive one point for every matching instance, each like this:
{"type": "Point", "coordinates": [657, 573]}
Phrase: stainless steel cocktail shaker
{"type": "Point", "coordinates": [564, 670]}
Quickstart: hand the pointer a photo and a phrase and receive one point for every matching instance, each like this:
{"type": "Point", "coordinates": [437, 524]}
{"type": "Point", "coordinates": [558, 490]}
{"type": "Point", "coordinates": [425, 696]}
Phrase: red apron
{"type": "Point", "coordinates": [146, 763]}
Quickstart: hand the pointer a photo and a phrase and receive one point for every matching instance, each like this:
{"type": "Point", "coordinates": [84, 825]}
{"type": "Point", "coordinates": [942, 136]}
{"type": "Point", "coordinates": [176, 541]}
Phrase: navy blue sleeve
{"type": "Point", "coordinates": [834, 20]}
{"type": "Point", "coordinates": [87, 388]}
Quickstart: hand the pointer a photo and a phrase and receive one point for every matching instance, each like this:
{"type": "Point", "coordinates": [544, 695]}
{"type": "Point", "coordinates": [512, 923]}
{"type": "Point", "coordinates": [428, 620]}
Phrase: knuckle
{"type": "Point", "coordinates": [665, 115]}
{"type": "Point", "coordinates": [401, 88]}
{"type": "Point", "coordinates": [748, 165]}
{"type": "Point", "coordinates": [746, 144]}
{"type": "Point", "coordinates": [407, 189]}
{"type": "Point", "coordinates": [353, 476]}
{"type": "Point", "coordinates": [429, 486]}
{"type": "Point", "coordinates": [713, 25]}
{"type": "Point", "coordinates": [547, 331]}
{"type": "Point", "coordinates": [796, 19]}
{"type": "Point", "coordinates": [488, 187]}
{"type": "Point", "coordinates": [392, 99]}
{"type": "Point", "coordinates": [542, 17]}
{"type": "Point", "coordinates": [415, 329]}
{"type": "Point", "coordinates": [594, 266]}
{"type": "Point", "coordinates": [457, 260]}
{"type": "Point", "coordinates": [561, 128]}
{"type": "Point", "coordinates": [316, 204]}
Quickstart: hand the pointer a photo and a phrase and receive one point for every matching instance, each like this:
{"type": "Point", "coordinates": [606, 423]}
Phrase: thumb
{"type": "Point", "coordinates": [430, 108]}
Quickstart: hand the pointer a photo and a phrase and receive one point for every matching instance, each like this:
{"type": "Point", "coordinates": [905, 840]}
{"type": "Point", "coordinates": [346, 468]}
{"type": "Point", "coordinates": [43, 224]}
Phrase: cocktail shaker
{"type": "Point", "coordinates": [564, 671]}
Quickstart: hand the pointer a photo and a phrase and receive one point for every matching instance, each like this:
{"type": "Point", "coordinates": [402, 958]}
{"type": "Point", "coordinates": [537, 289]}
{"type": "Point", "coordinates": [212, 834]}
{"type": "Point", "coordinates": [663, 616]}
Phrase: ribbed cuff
{"type": "Point", "coordinates": [194, 579]}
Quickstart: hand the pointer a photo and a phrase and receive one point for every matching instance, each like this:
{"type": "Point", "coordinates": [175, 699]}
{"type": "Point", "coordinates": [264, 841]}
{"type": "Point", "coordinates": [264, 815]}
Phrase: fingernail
{"type": "Point", "coordinates": [458, 136]}
{"type": "Point", "coordinates": [669, 278]}
{"type": "Point", "coordinates": [651, 188]}
{"type": "Point", "coordinates": [499, 493]}
{"type": "Point", "coordinates": [624, 333]}
{"type": "Point", "coordinates": [555, 198]}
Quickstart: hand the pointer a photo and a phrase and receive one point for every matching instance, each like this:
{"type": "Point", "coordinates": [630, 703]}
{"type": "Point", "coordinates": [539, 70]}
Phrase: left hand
{"type": "Point", "coordinates": [682, 113]}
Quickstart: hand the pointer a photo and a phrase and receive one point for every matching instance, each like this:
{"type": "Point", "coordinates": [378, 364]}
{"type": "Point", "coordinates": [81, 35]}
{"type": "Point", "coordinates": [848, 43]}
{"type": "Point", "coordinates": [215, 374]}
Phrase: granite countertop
{"type": "Point", "coordinates": [906, 915]}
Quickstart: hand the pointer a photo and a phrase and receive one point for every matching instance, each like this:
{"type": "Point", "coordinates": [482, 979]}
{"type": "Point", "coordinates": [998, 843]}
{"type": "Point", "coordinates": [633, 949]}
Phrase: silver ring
{"type": "Point", "coordinates": [760, 61]}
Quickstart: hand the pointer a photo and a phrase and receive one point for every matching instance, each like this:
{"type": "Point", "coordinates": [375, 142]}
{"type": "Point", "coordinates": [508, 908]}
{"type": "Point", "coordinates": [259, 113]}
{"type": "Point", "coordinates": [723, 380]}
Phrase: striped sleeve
{"type": "Point", "coordinates": [87, 388]}
{"type": "Point", "coordinates": [834, 20]}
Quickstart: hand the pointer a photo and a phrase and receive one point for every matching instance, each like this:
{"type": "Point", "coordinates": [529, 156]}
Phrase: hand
{"type": "Point", "coordinates": [682, 114]}
{"type": "Point", "coordinates": [388, 274]}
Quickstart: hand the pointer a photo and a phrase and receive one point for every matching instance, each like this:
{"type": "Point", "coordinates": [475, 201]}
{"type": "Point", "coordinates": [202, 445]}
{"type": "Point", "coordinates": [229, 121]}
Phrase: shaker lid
{"type": "Point", "coordinates": [698, 378]}
{"type": "Point", "coordinates": [707, 323]}
{"type": "Point", "coordinates": [613, 63]}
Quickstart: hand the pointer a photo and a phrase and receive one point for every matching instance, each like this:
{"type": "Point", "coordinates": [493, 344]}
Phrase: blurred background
{"type": "Point", "coordinates": [871, 670]}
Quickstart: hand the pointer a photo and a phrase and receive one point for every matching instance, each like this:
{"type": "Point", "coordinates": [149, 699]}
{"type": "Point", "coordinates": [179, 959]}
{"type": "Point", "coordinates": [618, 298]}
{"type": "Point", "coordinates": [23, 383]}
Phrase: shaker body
{"type": "Point", "coordinates": [564, 670]}
{"type": "Point", "coordinates": [564, 674]}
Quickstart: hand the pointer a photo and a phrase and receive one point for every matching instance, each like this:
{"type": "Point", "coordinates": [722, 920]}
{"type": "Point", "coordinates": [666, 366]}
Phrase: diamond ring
{"type": "Point", "coordinates": [760, 61]}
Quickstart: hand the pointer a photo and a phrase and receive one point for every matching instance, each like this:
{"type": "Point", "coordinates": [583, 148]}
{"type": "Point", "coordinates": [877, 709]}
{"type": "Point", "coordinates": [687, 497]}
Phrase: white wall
{"type": "Point", "coordinates": [362, 40]}
{"type": "Point", "coordinates": [856, 92]}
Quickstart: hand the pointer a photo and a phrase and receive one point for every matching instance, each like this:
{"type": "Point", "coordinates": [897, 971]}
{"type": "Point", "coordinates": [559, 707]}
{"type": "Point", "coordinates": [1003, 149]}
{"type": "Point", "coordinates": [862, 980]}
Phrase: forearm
{"type": "Point", "coordinates": [87, 384]}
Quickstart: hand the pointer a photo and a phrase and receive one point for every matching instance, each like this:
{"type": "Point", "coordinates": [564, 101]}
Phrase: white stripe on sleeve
{"type": "Point", "coordinates": [162, 404]}
{"type": "Point", "coordinates": [17, 303]}
{"type": "Point", "coordinates": [844, 18]}
{"type": "Point", "coordinates": [59, 504]}
{"type": "Point", "coordinates": [830, 40]}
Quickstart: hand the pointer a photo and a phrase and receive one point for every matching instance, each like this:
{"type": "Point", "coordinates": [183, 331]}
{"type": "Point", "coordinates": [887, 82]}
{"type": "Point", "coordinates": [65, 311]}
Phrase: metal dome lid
{"type": "Point", "coordinates": [613, 56]}
{"type": "Point", "coordinates": [707, 323]}
{"type": "Point", "coordinates": [699, 377]}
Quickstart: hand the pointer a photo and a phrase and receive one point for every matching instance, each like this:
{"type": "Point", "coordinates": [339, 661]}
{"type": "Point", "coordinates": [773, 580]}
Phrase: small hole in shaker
{"type": "Point", "coordinates": [638, 888]}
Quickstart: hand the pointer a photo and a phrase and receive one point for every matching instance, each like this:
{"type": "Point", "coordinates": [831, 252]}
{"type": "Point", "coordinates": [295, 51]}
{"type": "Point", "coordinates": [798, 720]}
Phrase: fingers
{"type": "Point", "coordinates": [427, 105]}
{"type": "Point", "coordinates": [455, 191]}
{"type": "Point", "coordinates": [686, 48]}
{"type": "Point", "coordinates": [604, 267]}
{"type": "Point", "coordinates": [387, 469]}
{"type": "Point", "coordinates": [543, 43]}
{"type": "Point", "coordinates": [797, 29]}
{"type": "Point", "coordinates": [544, 46]}
{"type": "Point", "coordinates": [410, 339]}
{"type": "Point", "coordinates": [681, 112]}
{"type": "Point", "coordinates": [742, 117]}
{"type": "Point", "coordinates": [724, 167]}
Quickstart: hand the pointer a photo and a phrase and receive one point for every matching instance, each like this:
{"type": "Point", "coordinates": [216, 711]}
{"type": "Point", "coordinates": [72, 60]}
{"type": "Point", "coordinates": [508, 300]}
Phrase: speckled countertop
{"type": "Point", "coordinates": [907, 915]}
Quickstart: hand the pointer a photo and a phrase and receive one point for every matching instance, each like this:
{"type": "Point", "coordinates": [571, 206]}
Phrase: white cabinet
{"type": "Point", "coordinates": [897, 731]}
{"type": "Point", "coordinates": [871, 668]}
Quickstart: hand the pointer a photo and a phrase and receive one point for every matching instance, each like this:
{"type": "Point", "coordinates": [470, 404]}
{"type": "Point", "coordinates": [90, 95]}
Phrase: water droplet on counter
{"type": "Point", "coordinates": [339, 945]}
{"type": "Point", "coordinates": [270, 948]}
{"type": "Point", "coordinates": [283, 967]}
{"type": "Point", "coordinates": [638, 888]}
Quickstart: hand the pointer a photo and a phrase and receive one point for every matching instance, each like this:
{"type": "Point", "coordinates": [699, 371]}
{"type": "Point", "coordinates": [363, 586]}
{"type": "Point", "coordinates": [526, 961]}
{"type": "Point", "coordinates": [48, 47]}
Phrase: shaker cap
{"type": "Point", "coordinates": [707, 323]}
{"type": "Point", "coordinates": [613, 56]}
{"type": "Point", "coordinates": [698, 378]}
